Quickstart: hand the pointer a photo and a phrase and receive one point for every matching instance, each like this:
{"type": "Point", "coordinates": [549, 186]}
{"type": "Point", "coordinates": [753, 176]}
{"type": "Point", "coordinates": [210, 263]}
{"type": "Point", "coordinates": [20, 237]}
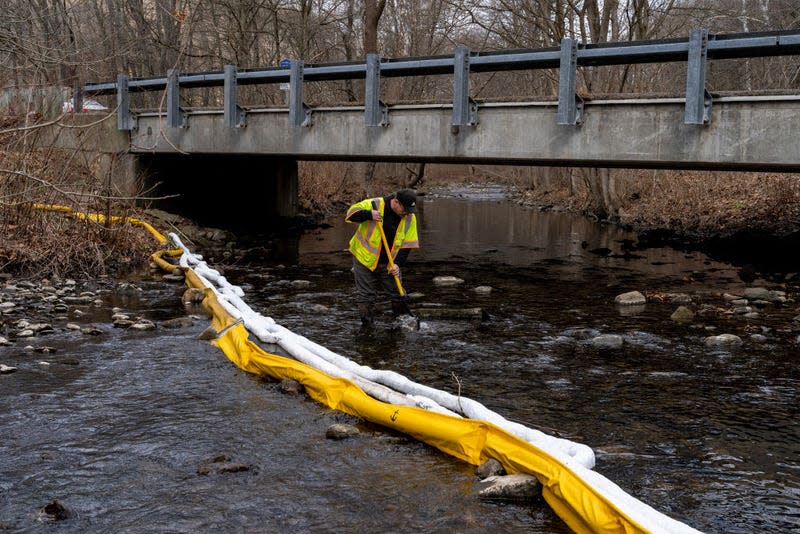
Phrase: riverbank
{"type": "Point", "coordinates": [748, 219]}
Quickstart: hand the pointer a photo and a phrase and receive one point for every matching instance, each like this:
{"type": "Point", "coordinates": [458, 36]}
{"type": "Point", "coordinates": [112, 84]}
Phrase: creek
{"type": "Point", "coordinates": [117, 426]}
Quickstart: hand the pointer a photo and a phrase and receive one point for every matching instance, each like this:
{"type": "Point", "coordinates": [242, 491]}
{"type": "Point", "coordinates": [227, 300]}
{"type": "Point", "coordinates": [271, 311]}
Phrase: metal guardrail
{"type": "Point", "coordinates": [695, 50]}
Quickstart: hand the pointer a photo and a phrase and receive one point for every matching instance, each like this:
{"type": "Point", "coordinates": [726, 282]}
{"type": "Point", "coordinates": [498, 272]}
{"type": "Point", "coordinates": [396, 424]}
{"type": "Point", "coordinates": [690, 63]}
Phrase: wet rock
{"type": "Point", "coordinates": [682, 315]}
{"type": "Point", "coordinates": [446, 281]}
{"type": "Point", "coordinates": [758, 338]}
{"type": "Point", "coordinates": [193, 295]}
{"type": "Point", "coordinates": [5, 525]}
{"type": "Point", "coordinates": [173, 277]}
{"type": "Point", "coordinates": [208, 334]}
{"type": "Point", "coordinates": [490, 468]}
{"type": "Point", "coordinates": [44, 350]}
{"type": "Point", "coordinates": [222, 464]}
{"type": "Point", "coordinates": [56, 511]}
{"type": "Point", "coordinates": [679, 298]}
{"type": "Point", "coordinates": [123, 323]}
{"type": "Point", "coordinates": [143, 324]}
{"type": "Point", "coordinates": [120, 317]}
{"type": "Point", "coordinates": [291, 387]}
{"type": "Point", "coordinates": [85, 299]}
{"type": "Point", "coordinates": [91, 331]}
{"type": "Point", "coordinates": [757, 293]}
{"type": "Point", "coordinates": [741, 310]}
{"type": "Point", "coordinates": [25, 333]}
{"type": "Point", "coordinates": [318, 309]}
{"type": "Point", "coordinates": [300, 283]}
{"type": "Point", "coordinates": [723, 340]}
{"type": "Point", "coordinates": [516, 487]}
{"type": "Point", "coordinates": [608, 341]}
{"type": "Point", "coordinates": [483, 290]}
{"type": "Point", "coordinates": [580, 333]}
{"type": "Point", "coordinates": [7, 369]}
{"type": "Point", "coordinates": [178, 322]}
{"type": "Point", "coordinates": [41, 328]}
{"type": "Point", "coordinates": [232, 468]}
{"type": "Point", "coordinates": [4, 342]}
{"type": "Point", "coordinates": [4, 306]}
{"type": "Point", "coordinates": [631, 298]}
{"type": "Point", "coordinates": [339, 431]}
{"type": "Point", "coordinates": [751, 315]}
{"type": "Point", "coordinates": [739, 302]}
{"type": "Point", "coordinates": [73, 326]}
{"type": "Point", "coordinates": [224, 468]}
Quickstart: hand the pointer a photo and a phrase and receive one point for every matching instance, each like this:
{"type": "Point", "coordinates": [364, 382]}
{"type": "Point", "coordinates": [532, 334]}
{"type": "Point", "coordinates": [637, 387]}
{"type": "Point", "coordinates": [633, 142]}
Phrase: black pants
{"type": "Point", "coordinates": [372, 284]}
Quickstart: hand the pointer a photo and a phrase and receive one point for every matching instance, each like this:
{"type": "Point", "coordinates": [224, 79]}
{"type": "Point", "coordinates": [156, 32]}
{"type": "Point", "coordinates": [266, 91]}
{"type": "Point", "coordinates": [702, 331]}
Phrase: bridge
{"type": "Point", "coordinates": [697, 131]}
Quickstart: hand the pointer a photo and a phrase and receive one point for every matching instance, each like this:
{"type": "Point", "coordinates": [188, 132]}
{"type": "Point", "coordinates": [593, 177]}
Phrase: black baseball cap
{"type": "Point", "coordinates": [408, 198]}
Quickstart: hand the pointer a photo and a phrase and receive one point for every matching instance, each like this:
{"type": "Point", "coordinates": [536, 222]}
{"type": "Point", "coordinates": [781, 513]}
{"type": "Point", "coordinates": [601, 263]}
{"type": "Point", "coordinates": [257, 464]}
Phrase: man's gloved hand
{"type": "Point", "coordinates": [394, 270]}
{"type": "Point", "coordinates": [376, 215]}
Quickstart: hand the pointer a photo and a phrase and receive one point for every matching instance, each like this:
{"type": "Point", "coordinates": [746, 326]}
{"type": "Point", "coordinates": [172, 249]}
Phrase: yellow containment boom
{"type": "Point", "coordinates": [586, 501]}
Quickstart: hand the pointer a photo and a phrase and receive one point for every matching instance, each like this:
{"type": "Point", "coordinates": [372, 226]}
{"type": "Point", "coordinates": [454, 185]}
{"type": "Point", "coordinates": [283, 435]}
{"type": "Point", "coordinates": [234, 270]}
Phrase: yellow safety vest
{"type": "Point", "coordinates": [365, 244]}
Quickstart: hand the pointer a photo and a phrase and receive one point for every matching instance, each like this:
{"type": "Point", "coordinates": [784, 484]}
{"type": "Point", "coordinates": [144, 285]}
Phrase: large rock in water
{"type": "Point", "coordinates": [608, 341]}
{"type": "Point", "coordinates": [447, 281]}
{"type": "Point", "coordinates": [682, 315]}
{"type": "Point", "coordinates": [724, 340]}
{"type": "Point", "coordinates": [516, 487]}
{"type": "Point", "coordinates": [339, 431]}
{"type": "Point", "coordinates": [490, 468]}
{"type": "Point", "coordinates": [631, 298]}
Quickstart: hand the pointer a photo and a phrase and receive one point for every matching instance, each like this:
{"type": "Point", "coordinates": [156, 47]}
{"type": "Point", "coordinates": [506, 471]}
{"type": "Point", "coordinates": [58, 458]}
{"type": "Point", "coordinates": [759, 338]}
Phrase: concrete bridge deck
{"type": "Point", "coordinates": [745, 133]}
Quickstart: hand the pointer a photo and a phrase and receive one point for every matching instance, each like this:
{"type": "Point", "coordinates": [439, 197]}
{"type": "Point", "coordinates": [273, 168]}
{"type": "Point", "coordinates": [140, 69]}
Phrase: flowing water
{"type": "Point", "coordinates": [117, 426]}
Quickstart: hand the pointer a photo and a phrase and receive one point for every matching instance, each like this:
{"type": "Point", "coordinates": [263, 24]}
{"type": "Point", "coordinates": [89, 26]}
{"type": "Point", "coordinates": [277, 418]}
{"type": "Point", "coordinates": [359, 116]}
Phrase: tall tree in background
{"type": "Point", "coordinates": [373, 10]}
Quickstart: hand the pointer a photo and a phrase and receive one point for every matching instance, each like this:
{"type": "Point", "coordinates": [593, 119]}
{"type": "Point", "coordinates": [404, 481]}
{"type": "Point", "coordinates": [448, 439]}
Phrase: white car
{"type": "Point", "coordinates": [88, 105]}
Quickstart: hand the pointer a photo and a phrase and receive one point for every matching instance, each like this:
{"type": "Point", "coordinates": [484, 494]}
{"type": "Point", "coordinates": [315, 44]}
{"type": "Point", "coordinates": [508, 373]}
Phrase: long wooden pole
{"type": "Point", "coordinates": [391, 260]}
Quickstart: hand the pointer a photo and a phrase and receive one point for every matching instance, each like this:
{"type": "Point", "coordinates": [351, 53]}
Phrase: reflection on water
{"type": "Point", "coordinates": [708, 436]}
{"type": "Point", "coordinates": [503, 233]}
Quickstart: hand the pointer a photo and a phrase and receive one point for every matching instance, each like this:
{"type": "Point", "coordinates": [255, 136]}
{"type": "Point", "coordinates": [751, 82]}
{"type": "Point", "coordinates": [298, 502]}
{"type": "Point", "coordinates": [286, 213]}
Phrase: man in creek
{"type": "Point", "coordinates": [370, 260]}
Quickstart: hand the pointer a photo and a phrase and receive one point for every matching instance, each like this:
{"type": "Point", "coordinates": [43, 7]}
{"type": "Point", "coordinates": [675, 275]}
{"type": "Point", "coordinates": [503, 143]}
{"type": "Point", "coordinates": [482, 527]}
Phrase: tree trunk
{"type": "Point", "coordinates": [373, 9]}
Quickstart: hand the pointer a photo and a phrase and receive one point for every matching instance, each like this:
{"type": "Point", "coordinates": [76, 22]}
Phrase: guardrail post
{"type": "Point", "coordinates": [125, 119]}
{"type": "Point", "coordinates": [376, 113]}
{"type": "Point", "coordinates": [465, 110]}
{"type": "Point", "coordinates": [299, 112]}
{"type": "Point", "coordinates": [233, 114]}
{"type": "Point", "coordinates": [176, 118]}
{"type": "Point", "coordinates": [570, 105]}
{"type": "Point", "coordinates": [698, 99]}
